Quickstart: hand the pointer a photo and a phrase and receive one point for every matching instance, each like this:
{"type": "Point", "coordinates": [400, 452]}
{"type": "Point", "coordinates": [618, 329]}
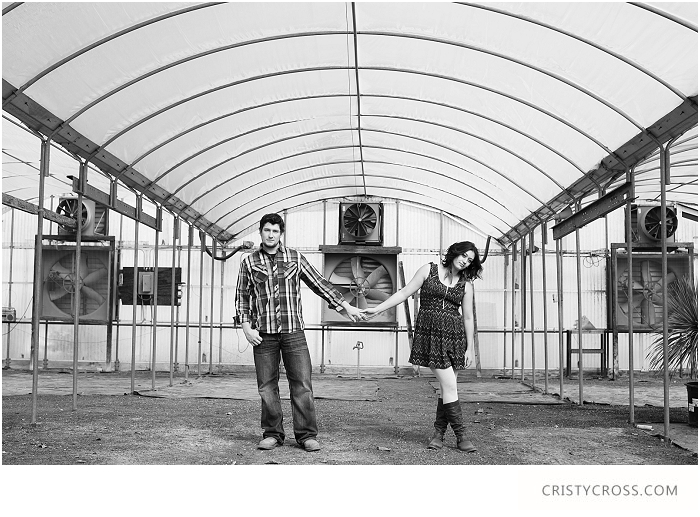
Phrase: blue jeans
{"type": "Point", "coordinates": [297, 364]}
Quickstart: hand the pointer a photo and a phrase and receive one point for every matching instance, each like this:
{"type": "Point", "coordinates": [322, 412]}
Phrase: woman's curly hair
{"type": "Point", "coordinates": [474, 269]}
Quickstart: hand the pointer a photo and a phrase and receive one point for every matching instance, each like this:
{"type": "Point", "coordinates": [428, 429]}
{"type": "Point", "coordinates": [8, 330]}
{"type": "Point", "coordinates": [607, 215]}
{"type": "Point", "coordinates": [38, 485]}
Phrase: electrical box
{"type": "Point", "coordinates": [145, 282]}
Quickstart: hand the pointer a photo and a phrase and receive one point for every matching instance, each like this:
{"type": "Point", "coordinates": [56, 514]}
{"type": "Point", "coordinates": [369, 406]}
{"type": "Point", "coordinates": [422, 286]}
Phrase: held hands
{"type": "Point", "coordinates": [354, 313]}
{"type": "Point", "coordinates": [368, 314]}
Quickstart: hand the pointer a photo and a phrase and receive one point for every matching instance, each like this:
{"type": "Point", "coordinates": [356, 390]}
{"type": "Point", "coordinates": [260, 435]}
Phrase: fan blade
{"type": "Point", "coordinates": [92, 294]}
{"type": "Point", "coordinates": [361, 302]}
{"type": "Point", "coordinates": [637, 299]}
{"type": "Point", "coordinates": [93, 277]}
{"type": "Point", "coordinates": [83, 266]}
{"type": "Point", "coordinates": [648, 313]}
{"type": "Point", "coordinates": [637, 286]}
{"type": "Point", "coordinates": [357, 273]}
{"type": "Point", "coordinates": [646, 273]}
{"type": "Point", "coordinates": [349, 296]}
{"type": "Point", "coordinates": [57, 295]}
{"type": "Point", "coordinates": [376, 294]}
{"type": "Point", "coordinates": [339, 280]}
{"type": "Point", "coordinates": [376, 276]}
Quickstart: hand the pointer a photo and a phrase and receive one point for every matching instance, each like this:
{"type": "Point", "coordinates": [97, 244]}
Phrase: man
{"type": "Point", "coordinates": [268, 306]}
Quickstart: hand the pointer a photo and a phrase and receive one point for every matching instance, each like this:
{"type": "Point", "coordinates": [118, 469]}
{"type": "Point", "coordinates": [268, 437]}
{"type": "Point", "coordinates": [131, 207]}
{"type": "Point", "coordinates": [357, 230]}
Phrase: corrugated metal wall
{"type": "Point", "coordinates": [420, 231]}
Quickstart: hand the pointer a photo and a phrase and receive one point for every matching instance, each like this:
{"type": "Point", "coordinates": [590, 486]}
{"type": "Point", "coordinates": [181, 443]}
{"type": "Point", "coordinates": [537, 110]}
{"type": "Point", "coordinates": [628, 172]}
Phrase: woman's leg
{"type": "Point", "coordinates": [447, 378]}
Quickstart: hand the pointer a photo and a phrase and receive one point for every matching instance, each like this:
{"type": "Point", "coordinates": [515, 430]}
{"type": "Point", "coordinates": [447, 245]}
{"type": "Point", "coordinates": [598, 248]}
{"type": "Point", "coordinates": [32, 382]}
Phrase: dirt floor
{"type": "Point", "coordinates": [392, 429]}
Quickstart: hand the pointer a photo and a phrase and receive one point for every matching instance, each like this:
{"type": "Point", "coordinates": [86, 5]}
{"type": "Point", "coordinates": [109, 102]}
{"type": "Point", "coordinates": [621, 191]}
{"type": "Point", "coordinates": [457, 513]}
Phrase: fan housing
{"type": "Point", "coordinates": [364, 280]}
{"type": "Point", "coordinates": [646, 224]}
{"type": "Point", "coordinates": [60, 284]}
{"type": "Point", "coordinates": [646, 281]}
{"type": "Point", "coordinates": [94, 216]}
{"type": "Point", "coordinates": [361, 223]}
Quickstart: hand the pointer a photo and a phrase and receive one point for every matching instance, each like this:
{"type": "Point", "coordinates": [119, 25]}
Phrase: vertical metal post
{"type": "Point", "coordinates": [532, 304]}
{"type": "Point", "coordinates": [323, 349]}
{"type": "Point", "coordinates": [190, 239]}
{"type": "Point", "coordinates": [514, 248]}
{"type": "Point", "coordinates": [211, 307]}
{"type": "Point", "coordinates": [505, 309]}
{"type": "Point", "coordinates": [78, 281]}
{"type": "Point", "coordinates": [176, 365]}
{"type": "Point", "coordinates": [155, 307]}
{"type": "Point", "coordinates": [560, 316]}
{"type": "Point", "coordinates": [523, 308]}
{"type": "Point", "coordinates": [38, 274]}
{"type": "Point", "coordinates": [134, 296]}
{"type": "Point", "coordinates": [578, 314]}
{"type": "Point", "coordinates": [221, 316]}
{"type": "Point", "coordinates": [116, 301]}
{"type": "Point", "coordinates": [396, 353]}
{"type": "Point", "coordinates": [9, 285]}
{"type": "Point", "coordinates": [173, 287]}
{"type": "Point", "coordinates": [665, 180]}
{"type": "Point", "coordinates": [630, 294]}
{"type": "Point", "coordinates": [544, 307]}
{"type": "Point", "coordinates": [45, 364]}
{"type": "Point", "coordinates": [201, 295]}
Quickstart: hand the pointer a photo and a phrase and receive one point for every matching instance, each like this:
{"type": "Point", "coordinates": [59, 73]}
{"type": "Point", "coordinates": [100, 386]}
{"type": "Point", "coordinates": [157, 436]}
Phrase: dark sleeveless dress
{"type": "Point", "coordinates": [439, 338]}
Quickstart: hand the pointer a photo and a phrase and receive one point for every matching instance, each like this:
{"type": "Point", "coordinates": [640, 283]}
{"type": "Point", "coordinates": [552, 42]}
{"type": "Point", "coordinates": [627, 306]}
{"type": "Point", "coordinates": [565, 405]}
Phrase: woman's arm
{"type": "Point", "coordinates": [402, 294]}
{"type": "Point", "coordinates": [468, 313]}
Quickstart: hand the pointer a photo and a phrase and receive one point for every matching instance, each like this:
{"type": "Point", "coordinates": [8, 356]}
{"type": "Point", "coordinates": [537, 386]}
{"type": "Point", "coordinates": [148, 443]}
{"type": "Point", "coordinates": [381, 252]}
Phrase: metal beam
{"type": "Point", "coordinates": [30, 208]}
{"type": "Point", "coordinates": [597, 209]}
{"type": "Point", "coordinates": [119, 206]}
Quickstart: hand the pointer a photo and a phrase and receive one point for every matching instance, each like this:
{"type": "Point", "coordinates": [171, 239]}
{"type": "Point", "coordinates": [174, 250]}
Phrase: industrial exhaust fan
{"type": "Point", "coordinates": [94, 216]}
{"type": "Point", "coordinates": [60, 283]}
{"type": "Point", "coordinates": [647, 221]}
{"type": "Point", "coordinates": [361, 223]}
{"type": "Point", "coordinates": [363, 280]}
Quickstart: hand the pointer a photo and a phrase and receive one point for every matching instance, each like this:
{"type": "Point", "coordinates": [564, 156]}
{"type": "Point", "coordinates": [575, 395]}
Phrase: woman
{"type": "Point", "coordinates": [443, 335]}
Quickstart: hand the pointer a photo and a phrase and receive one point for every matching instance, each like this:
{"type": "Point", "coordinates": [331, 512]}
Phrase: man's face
{"type": "Point", "coordinates": [270, 236]}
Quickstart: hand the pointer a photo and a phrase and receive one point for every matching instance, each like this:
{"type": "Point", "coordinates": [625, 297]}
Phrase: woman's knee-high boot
{"type": "Point", "coordinates": [440, 427]}
{"type": "Point", "coordinates": [453, 412]}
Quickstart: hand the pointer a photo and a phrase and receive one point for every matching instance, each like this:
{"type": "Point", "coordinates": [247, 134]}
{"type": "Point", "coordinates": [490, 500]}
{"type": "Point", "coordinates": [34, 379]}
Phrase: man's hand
{"type": "Point", "coordinates": [354, 313]}
{"type": "Point", "coordinates": [251, 334]}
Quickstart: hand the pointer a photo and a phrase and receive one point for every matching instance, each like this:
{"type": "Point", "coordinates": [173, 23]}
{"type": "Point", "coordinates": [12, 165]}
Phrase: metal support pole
{"type": "Point", "coordinates": [630, 294]}
{"type": "Point", "coordinates": [116, 300]}
{"type": "Point", "coordinates": [155, 311]}
{"type": "Point", "coordinates": [323, 349]}
{"type": "Point", "coordinates": [505, 310]}
{"type": "Point", "coordinates": [201, 295]}
{"type": "Point", "coordinates": [665, 180]}
{"type": "Point", "coordinates": [396, 353]}
{"type": "Point", "coordinates": [211, 308]}
{"type": "Point", "coordinates": [45, 364]}
{"type": "Point", "coordinates": [221, 316]}
{"type": "Point", "coordinates": [176, 365]}
{"type": "Point", "coordinates": [579, 315]}
{"type": "Point", "coordinates": [77, 287]}
{"type": "Point", "coordinates": [532, 304]}
{"type": "Point", "coordinates": [8, 360]}
{"type": "Point", "coordinates": [190, 240]}
{"type": "Point", "coordinates": [523, 308]}
{"type": "Point", "coordinates": [172, 301]}
{"type": "Point", "coordinates": [38, 274]}
{"type": "Point", "coordinates": [134, 300]}
{"type": "Point", "coordinates": [544, 307]}
{"type": "Point", "coordinates": [512, 310]}
{"type": "Point", "coordinates": [359, 346]}
{"type": "Point", "coordinates": [560, 316]}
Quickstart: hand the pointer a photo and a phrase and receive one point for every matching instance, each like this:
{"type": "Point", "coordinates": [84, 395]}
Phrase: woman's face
{"type": "Point", "coordinates": [461, 262]}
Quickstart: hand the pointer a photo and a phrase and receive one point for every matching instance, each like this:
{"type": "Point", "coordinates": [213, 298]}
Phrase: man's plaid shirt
{"type": "Point", "coordinates": [268, 294]}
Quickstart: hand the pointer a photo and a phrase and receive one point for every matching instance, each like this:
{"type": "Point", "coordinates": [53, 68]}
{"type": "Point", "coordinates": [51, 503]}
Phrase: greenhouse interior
{"type": "Point", "coordinates": [143, 142]}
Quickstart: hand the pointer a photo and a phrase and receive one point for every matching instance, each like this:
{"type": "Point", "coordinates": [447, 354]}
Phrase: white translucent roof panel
{"type": "Point", "coordinates": [490, 112]}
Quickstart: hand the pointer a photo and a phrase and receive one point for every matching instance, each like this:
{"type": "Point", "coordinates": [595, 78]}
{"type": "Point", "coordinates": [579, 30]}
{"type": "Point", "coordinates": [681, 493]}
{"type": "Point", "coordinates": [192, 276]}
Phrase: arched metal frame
{"type": "Point", "coordinates": [361, 28]}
